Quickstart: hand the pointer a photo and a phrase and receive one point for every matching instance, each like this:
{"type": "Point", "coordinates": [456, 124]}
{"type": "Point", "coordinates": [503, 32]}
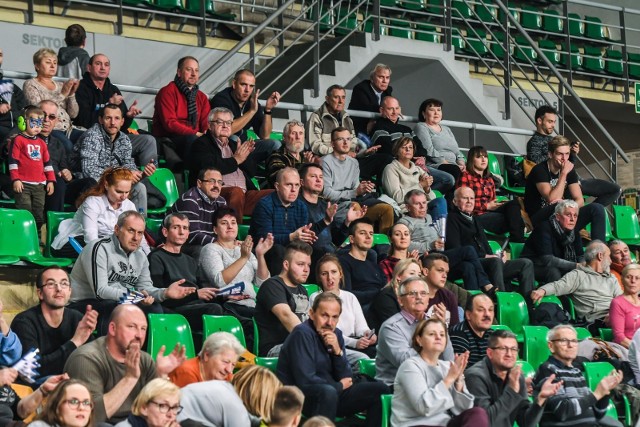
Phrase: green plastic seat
{"type": "Point", "coordinates": [613, 62]}
{"type": "Point", "coordinates": [311, 288]}
{"type": "Point", "coordinates": [550, 51]}
{"type": "Point", "coordinates": [594, 372]}
{"type": "Point", "coordinates": [367, 367]}
{"type": "Point", "coordinates": [626, 224]}
{"type": "Point", "coordinates": [169, 4]}
{"type": "Point", "coordinates": [400, 28]}
{"type": "Point", "coordinates": [231, 324]}
{"type": "Point", "coordinates": [513, 11]}
{"type": "Point", "coordinates": [594, 29]}
{"type": "Point", "coordinates": [583, 333]}
{"type": "Point", "coordinates": [486, 11]}
{"type": "Point", "coordinates": [477, 43]}
{"type": "Point", "coordinates": [256, 337]}
{"type": "Point", "coordinates": [551, 299]}
{"type": "Point", "coordinates": [516, 249]}
{"type": "Point", "coordinates": [136, 2]}
{"type": "Point", "coordinates": [243, 231]}
{"type": "Point", "coordinates": [608, 233]}
{"type": "Point", "coordinates": [501, 328]}
{"type": "Point", "coordinates": [524, 52]}
{"type": "Point", "coordinates": [606, 334]}
{"type": "Point", "coordinates": [326, 21]}
{"type": "Point", "coordinates": [577, 59]}
{"type": "Point", "coordinates": [528, 371]}
{"type": "Point", "coordinates": [497, 44]}
{"type": "Point", "coordinates": [193, 6]}
{"type": "Point", "coordinates": [386, 409]}
{"type": "Point", "coordinates": [536, 350]}
{"type": "Point", "coordinates": [495, 246]}
{"type": "Point", "coordinates": [634, 65]}
{"type": "Point", "coordinates": [53, 222]}
{"type": "Point", "coordinates": [518, 191]}
{"type": "Point", "coordinates": [19, 238]}
{"type": "Point", "coordinates": [576, 25]}
{"type": "Point", "coordinates": [593, 59]}
{"type": "Point", "coordinates": [530, 18]}
{"type": "Point", "coordinates": [270, 363]}
{"type": "Point", "coordinates": [459, 45]}
{"type": "Point", "coordinates": [347, 24]}
{"type": "Point", "coordinates": [512, 311]}
{"type": "Point", "coordinates": [461, 9]}
{"type": "Point", "coordinates": [154, 225]}
{"type": "Point", "coordinates": [412, 4]}
{"type": "Point", "coordinates": [169, 330]}
{"type": "Point", "coordinates": [435, 7]}
{"type": "Point", "coordinates": [164, 180]}
{"type": "Point", "coordinates": [552, 22]}
{"type": "Point", "coordinates": [427, 33]}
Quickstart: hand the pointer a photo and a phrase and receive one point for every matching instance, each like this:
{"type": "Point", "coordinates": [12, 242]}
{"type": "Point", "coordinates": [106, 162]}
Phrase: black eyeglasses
{"type": "Point", "coordinates": [164, 408]}
{"type": "Point", "coordinates": [53, 285]}
{"type": "Point", "coordinates": [77, 403]}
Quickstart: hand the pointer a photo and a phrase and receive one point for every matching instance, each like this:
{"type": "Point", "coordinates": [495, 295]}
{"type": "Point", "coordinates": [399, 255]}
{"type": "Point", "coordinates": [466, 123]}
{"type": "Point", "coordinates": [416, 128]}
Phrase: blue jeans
{"type": "Point", "coordinates": [442, 181]}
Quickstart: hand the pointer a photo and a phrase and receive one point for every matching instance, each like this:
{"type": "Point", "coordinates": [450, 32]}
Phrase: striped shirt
{"type": "Point", "coordinates": [199, 209]}
{"type": "Point", "coordinates": [463, 338]}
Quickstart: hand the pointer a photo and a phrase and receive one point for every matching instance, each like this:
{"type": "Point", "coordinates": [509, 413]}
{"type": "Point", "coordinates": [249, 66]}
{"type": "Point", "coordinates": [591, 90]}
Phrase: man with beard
{"type": "Point", "coordinates": [282, 302]}
{"type": "Point", "coordinates": [51, 327]}
{"type": "Point", "coordinates": [115, 369]}
{"type": "Point", "coordinates": [591, 287]}
{"type": "Point", "coordinates": [291, 154]}
{"type": "Point", "coordinates": [313, 359]}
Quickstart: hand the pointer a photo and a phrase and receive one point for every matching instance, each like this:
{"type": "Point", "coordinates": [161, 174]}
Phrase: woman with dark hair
{"type": "Point", "coordinates": [400, 240]}
{"type": "Point", "coordinates": [438, 141]}
{"type": "Point", "coordinates": [228, 261]}
{"type": "Point", "coordinates": [402, 174]}
{"type": "Point", "coordinates": [359, 339]}
{"type": "Point", "coordinates": [68, 405]}
{"type": "Point", "coordinates": [494, 216]}
{"type": "Point", "coordinates": [432, 392]}
{"type": "Point", "coordinates": [98, 212]}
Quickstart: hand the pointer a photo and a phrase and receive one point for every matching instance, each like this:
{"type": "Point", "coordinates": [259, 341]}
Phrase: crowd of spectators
{"type": "Point", "coordinates": [330, 189]}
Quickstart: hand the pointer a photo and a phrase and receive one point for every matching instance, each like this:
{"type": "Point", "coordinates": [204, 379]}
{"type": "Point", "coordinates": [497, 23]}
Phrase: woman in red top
{"type": "Point", "coordinates": [494, 216]}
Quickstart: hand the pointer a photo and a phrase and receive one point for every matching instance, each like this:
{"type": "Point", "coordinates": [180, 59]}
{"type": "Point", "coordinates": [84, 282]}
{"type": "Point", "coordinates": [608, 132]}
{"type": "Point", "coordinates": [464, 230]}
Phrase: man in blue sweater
{"type": "Point", "coordinates": [313, 359]}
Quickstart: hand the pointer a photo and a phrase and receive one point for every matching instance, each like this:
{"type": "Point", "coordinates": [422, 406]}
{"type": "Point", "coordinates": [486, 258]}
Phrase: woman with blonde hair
{"type": "Point", "coordinates": [257, 387]}
{"type": "Point", "coordinates": [98, 212]}
{"type": "Point", "coordinates": [157, 405]}
{"type": "Point", "coordinates": [68, 405]}
{"type": "Point", "coordinates": [624, 313]}
{"type": "Point", "coordinates": [43, 87]}
{"type": "Point", "coordinates": [359, 339]}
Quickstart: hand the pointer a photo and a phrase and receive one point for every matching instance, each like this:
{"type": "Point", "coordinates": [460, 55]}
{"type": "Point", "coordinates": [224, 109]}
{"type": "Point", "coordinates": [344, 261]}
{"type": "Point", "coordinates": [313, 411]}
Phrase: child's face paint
{"type": "Point", "coordinates": [34, 125]}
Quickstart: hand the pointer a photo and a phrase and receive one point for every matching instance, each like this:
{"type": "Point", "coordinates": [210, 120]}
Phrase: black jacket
{"type": "Point", "coordinates": [462, 232]}
{"type": "Point", "coordinates": [363, 98]}
{"type": "Point", "coordinates": [205, 153]}
{"type": "Point", "coordinates": [91, 100]}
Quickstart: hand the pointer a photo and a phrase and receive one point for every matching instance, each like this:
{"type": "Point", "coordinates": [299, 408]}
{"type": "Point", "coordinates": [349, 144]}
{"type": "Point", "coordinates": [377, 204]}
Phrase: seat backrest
{"type": "Point", "coordinates": [386, 409]}
{"type": "Point", "coordinates": [231, 324]}
{"type": "Point", "coordinates": [14, 223]}
{"type": "Point", "coordinates": [169, 330]}
{"type": "Point", "coordinates": [165, 181]}
{"type": "Point", "coordinates": [243, 231]}
{"type": "Point", "coordinates": [256, 337]}
{"type": "Point", "coordinates": [367, 367]}
{"type": "Point", "coordinates": [512, 311]}
{"type": "Point", "coordinates": [270, 363]}
{"type": "Point", "coordinates": [527, 370]}
{"type": "Point", "coordinates": [594, 372]}
{"type": "Point", "coordinates": [516, 249]}
{"type": "Point", "coordinates": [494, 164]}
{"type": "Point", "coordinates": [606, 334]}
{"type": "Point", "coordinates": [536, 350]}
{"type": "Point", "coordinates": [53, 222]}
{"type": "Point", "coordinates": [626, 223]}
{"type": "Point", "coordinates": [154, 225]}
{"type": "Point", "coordinates": [311, 288]}
{"type": "Point", "coordinates": [500, 328]}
{"type": "Point", "coordinates": [583, 333]}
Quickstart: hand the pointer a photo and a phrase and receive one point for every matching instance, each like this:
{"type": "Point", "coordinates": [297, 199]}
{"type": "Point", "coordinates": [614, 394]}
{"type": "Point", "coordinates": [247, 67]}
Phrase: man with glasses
{"type": "Point", "coordinates": [499, 386]}
{"type": "Point", "coordinates": [199, 203]}
{"type": "Point", "coordinates": [394, 339]}
{"type": "Point", "coordinates": [331, 115]}
{"type": "Point", "coordinates": [50, 326]}
{"type": "Point", "coordinates": [219, 149]}
{"type": "Point", "coordinates": [67, 188]}
{"type": "Point", "coordinates": [591, 287]}
{"type": "Point", "coordinates": [115, 368]}
{"type": "Point", "coordinates": [573, 404]}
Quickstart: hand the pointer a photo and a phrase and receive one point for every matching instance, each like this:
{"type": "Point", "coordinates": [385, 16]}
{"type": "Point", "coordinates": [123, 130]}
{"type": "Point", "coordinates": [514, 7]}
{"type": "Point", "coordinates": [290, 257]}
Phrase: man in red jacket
{"type": "Point", "coordinates": [181, 109]}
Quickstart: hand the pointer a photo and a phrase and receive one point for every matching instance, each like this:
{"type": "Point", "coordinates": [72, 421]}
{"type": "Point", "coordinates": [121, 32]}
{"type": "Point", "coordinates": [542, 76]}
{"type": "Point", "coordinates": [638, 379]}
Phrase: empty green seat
{"type": "Point", "coordinates": [486, 11]}
{"type": "Point", "coordinates": [550, 51]}
{"type": "Point", "coordinates": [367, 367]}
{"type": "Point", "coordinates": [271, 363]}
{"type": "Point", "coordinates": [552, 22]}
{"type": "Point", "coordinates": [606, 334]}
{"type": "Point", "coordinates": [477, 43]}
{"type": "Point", "coordinates": [512, 311]}
{"type": "Point", "coordinates": [583, 333]}
{"type": "Point", "coordinates": [576, 25]}
{"type": "Point", "coordinates": [530, 18]}
{"type": "Point", "coordinates": [524, 52]}
{"type": "Point", "coordinates": [497, 47]}
{"type": "Point", "coordinates": [577, 59]}
{"type": "Point", "coordinates": [19, 238]}
{"type": "Point", "coordinates": [326, 21]}
{"type": "Point", "coordinates": [593, 59]}
{"type": "Point", "coordinates": [412, 4]}
{"type": "Point", "coordinates": [193, 6]}
{"type": "Point", "coordinates": [458, 44]}
{"type": "Point", "coordinates": [231, 324]}
{"type": "Point", "coordinates": [514, 12]}
{"type": "Point", "coordinates": [626, 224]}
{"type": "Point", "coordinates": [427, 33]}
{"type": "Point", "coordinates": [536, 350]}
{"type": "Point", "coordinates": [435, 6]}
{"type": "Point", "coordinates": [164, 181]}
{"type": "Point", "coordinates": [634, 65]}
{"type": "Point", "coordinates": [461, 9]}
{"type": "Point", "coordinates": [169, 4]}
{"type": "Point", "coordinates": [400, 28]}
{"type": "Point", "coordinates": [168, 330]}
{"type": "Point", "coordinates": [347, 23]}
{"type": "Point", "coordinates": [613, 62]}
{"type": "Point", "coordinates": [594, 29]}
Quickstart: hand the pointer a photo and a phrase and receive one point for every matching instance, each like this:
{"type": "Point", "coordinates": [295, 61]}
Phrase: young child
{"type": "Point", "coordinates": [29, 166]}
{"type": "Point", "coordinates": [287, 407]}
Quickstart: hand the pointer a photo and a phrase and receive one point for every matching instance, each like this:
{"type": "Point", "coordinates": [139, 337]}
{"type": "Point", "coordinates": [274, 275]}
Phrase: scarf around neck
{"type": "Point", "coordinates": [191, 95]}
{"type": "Point", "coordinates": [565, 238]}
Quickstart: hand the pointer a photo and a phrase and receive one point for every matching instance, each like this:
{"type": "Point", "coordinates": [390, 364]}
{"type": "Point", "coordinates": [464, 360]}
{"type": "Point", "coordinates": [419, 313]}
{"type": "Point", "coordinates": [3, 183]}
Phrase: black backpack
{"type": "Point", "coordinates": [549, 314]}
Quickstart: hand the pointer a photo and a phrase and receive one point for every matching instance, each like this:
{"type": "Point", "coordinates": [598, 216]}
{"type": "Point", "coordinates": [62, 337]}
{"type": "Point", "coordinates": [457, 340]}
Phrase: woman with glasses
{"type": "Point", "coordinates": [68, 405]}
{"type": "Point", "coordinates": [157, 405]}
{"type": "Point", "coordinates": [496, 217]}
{"type": "Point", "coordinates": [624, 314]}
{"type": "Point", "coordinates": [432, 392]}
{"type": "Point", "coordinates": [359, 339]}
{"type": "Point", "coordinates": [98, 213]}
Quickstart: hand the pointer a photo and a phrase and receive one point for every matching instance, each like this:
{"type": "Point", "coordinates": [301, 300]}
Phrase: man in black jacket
{"type": "Point", "coordinates": [218, 149]}
{"type": "Point", "coordinates": [367, 96]}
{"type": "Point", "coordinates": [95, 91]}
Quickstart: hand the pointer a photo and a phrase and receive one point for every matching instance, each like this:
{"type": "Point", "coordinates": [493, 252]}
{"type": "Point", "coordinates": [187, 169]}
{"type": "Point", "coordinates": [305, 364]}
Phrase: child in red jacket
{"type": "Point", "coordinates": [29, 166]}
